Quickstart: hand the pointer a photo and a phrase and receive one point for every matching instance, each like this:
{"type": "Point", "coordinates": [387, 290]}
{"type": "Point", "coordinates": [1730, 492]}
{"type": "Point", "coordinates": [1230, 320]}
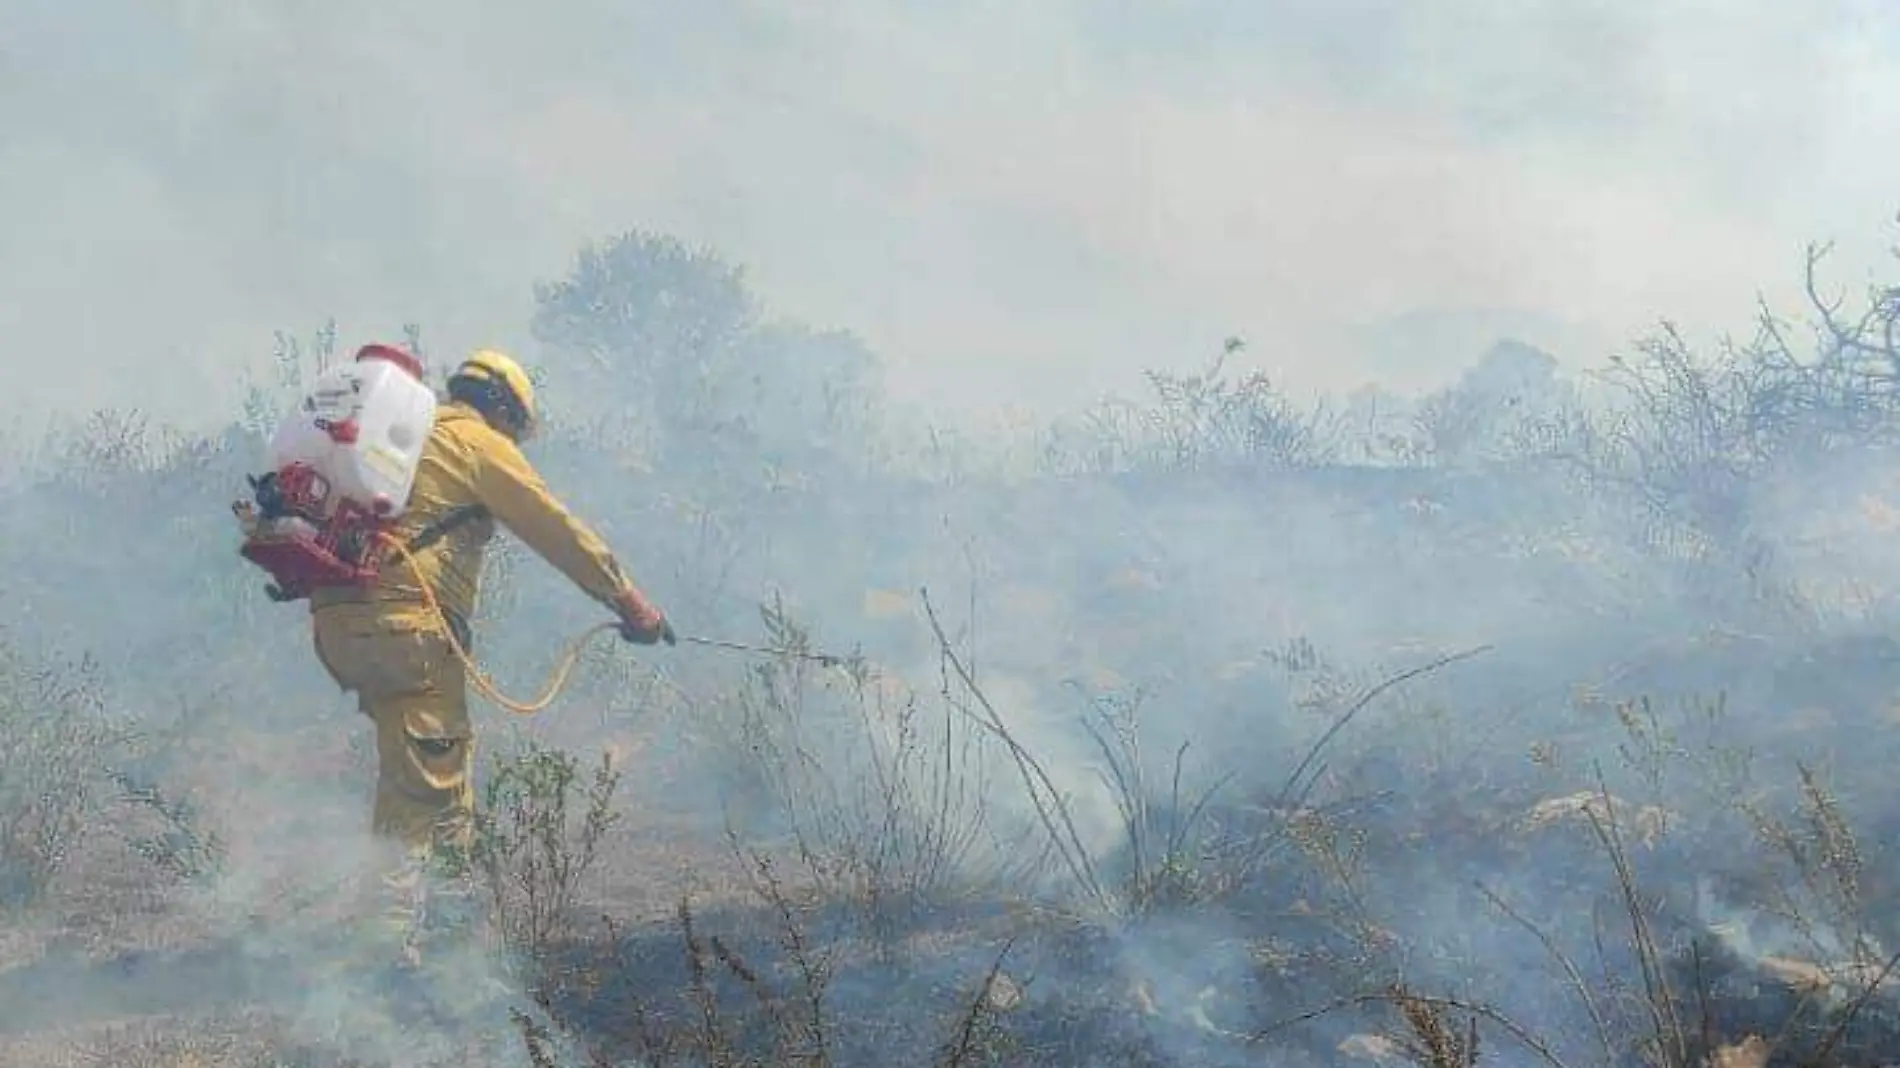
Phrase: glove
{"type": "Point", "coordinates": [641, 621]}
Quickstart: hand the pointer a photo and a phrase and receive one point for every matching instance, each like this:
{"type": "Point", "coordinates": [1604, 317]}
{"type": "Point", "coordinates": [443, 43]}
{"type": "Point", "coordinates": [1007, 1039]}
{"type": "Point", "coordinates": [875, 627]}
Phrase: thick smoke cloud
{"type": "Point", "coordinates": [1010, 206]}
{"type": "Point", "coordinates": [1014, 206]}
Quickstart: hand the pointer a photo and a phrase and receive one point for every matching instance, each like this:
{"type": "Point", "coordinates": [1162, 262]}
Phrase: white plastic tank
{"type": "Point", "coordinates": [361, 427]}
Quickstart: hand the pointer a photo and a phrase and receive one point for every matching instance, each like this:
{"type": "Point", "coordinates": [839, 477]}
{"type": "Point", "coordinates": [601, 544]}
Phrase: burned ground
{"type": "Point", "coordinates": [1212, 739]}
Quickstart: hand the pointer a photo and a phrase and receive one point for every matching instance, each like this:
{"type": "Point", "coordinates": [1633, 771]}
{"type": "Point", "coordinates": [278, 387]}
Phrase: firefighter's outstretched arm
{"type": "Point", "coordinates": [515, 494]}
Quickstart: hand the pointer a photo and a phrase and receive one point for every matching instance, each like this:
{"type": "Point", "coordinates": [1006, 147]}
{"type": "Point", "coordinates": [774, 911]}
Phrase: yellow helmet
{"type": "Point", "coordinates": [508, 381]}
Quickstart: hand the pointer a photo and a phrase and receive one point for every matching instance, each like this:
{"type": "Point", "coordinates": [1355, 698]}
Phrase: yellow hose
{"type": "Point", "coordinates": [557, 680]}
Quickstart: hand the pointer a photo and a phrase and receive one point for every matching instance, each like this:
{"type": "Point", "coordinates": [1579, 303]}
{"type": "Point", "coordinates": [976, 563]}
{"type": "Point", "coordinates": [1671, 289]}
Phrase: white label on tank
{"type": "Point", "coordinates": [338, 402]}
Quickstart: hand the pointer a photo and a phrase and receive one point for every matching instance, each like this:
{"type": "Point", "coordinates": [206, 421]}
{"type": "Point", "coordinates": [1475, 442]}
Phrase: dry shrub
{"type": "Point", "coordinates": [56, 744]}
{"type": "Point", "coordinates": [538, 831]}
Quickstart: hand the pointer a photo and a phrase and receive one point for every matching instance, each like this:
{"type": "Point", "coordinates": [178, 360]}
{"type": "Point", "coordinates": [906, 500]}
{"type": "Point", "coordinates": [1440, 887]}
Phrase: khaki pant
{"type": "Point", "coordinates": [409, 682]}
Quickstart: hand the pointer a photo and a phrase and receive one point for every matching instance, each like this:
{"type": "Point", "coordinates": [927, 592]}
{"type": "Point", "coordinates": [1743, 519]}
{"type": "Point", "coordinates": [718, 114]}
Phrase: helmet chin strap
{"type": "Point", "coordinates": [498, 412]}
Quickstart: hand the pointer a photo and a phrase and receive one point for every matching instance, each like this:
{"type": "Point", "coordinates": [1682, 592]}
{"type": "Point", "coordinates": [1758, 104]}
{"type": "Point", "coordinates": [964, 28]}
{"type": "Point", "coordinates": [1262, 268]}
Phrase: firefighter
{"type": "Point", "coordinates": [387, 644]}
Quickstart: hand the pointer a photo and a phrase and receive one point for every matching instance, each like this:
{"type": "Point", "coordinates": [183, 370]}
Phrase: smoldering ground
{"type": "Point", "coordinates": [1682, 592]}
{"type": "Point", "coordinates": [1128, 786]}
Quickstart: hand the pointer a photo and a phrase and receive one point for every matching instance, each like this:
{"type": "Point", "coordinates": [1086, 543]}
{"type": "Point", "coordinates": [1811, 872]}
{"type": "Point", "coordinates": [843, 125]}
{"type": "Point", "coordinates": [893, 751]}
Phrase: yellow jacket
{"type": "Point", "coordinates": [468, 464]}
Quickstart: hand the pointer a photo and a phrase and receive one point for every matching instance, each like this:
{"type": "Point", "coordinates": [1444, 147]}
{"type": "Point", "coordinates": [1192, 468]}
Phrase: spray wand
{"type": "Point", "coordinates": [823, 659]}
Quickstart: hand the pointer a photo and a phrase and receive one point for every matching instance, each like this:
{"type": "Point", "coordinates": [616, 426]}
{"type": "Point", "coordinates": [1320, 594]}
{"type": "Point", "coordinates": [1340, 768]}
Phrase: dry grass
{"type": "Point", "coordinates": [224, 1041]}
{"type": "Point", "coordinates": [756, 982]}
{"type": "Point", "coordinates": [866, 914]}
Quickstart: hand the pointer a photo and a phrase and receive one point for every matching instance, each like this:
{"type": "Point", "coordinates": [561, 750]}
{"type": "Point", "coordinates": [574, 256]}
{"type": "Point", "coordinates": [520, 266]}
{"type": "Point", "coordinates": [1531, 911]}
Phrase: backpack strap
{"type": "Point", "coordinates": [445, 524]}
{"type": "Point", "coordinates": [441, 527]}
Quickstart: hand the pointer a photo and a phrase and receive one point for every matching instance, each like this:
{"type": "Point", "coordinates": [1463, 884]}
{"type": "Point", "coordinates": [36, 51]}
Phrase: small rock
{"type": "Point", "coordinates": [1751, 1052]}
{"type": "Point", "coordinates": [1003, 993]}
{"type": "Point", "coordinates": [1373, 1048]}
{"type": "Point", "coordinates": [1802, 975]}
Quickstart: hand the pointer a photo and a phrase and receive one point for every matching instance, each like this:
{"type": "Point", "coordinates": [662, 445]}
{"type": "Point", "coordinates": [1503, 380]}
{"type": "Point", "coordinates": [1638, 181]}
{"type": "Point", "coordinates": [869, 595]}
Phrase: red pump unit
{"type": "Point", "coordinates": [287, 536]}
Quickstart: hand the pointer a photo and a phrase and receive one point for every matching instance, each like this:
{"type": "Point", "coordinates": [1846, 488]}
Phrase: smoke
{"type": "Point", "coordinates": [1010, 206]}
{"type": "Point", "coordinates": [1015, 213]}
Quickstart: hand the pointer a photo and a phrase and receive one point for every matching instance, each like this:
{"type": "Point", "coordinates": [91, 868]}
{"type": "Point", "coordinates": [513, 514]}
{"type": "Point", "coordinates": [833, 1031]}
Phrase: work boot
{"type": "Point", "coordinates": [364, 977]}
{"type": "Point", "coordinates": [454, 912]}
{"type": "Point", "coordinates": [439, 909]}
{"type": "Point", "coordinates": [405, 891]}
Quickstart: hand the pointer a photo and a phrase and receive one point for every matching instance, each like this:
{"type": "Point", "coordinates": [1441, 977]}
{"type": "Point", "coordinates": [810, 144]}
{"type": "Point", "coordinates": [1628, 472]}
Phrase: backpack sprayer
{"type": "Point", "coordinates": [341, 470]}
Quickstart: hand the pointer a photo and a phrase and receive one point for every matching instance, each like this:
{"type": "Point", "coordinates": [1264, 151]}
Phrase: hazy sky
{"type": "Point", "coordinates": [1013, 202]}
